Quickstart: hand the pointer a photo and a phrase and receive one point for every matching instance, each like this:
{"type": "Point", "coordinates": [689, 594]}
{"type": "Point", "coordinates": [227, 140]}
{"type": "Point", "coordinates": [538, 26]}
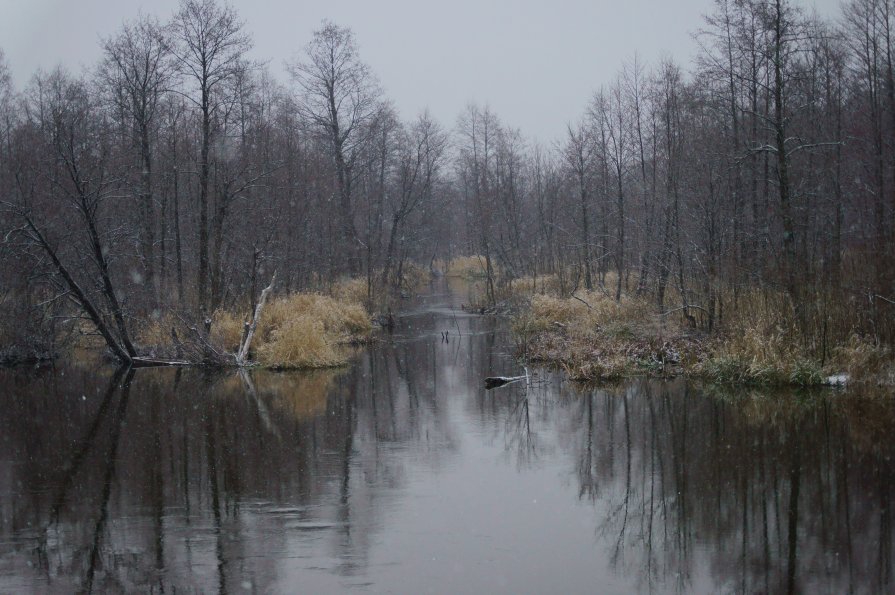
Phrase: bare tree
{"type": "Point", "coordinates": [479, 130]}
{"type": "Point", "coordinates": [579, 152]}
{"type": "Point", "coordinates": [339, 97]}
{"type": "Point", "coordinates": [210, 48]}
{"type": "Point", "coordinates": [136, 72]}
{"type": "Point", "coordinates": [418, 167]}
{"type": "Point", "coordinates": [609, 112]}
{"type": "Point", "coordinates": [71, 173]}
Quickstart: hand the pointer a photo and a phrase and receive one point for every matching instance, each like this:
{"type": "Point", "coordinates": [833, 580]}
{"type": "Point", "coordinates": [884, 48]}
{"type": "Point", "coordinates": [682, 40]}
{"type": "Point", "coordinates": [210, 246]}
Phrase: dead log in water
{"type": "Point", "coordinates": [498, 381]}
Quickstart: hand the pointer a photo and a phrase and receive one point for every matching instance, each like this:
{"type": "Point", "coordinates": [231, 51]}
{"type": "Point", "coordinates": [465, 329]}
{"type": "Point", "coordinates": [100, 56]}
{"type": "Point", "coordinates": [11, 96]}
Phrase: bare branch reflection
{"type": "Point", "coordinates": [185, 480]}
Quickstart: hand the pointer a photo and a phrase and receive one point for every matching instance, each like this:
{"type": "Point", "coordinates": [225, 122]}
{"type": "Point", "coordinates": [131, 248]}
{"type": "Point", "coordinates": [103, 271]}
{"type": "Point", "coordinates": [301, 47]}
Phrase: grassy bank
{"type": "Point", "coordinates": [296, 331]}
{"type": "Point", "coordinates": [304, 330]}
{"type": "Point", "coordinates": [593, 336]}
{"type": "Point", "coordinates": [301, 330]}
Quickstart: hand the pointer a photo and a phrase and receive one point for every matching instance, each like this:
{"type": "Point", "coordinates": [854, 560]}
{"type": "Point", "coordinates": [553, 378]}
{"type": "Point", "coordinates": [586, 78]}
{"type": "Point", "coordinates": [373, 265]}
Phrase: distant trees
{"type": "Point", "coordinates": [763, 172]}
{"type": "Point", "coordinates": [867, 29]}
{"type": "Point", "coordinates": [419, 162]}
{"type": "Point", "coordinates": [579, 152]}
{"type": "Point", "coordinates": [478, 131]}
{"type": "Point", "coordinates": [196, 175]}
{"type": "Point", "coordinates": [768, 165]}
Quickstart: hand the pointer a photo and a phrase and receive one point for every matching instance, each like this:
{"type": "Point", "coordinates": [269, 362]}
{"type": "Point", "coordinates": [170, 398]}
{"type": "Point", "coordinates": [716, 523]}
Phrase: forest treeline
{"type": "Point", "coordinates": [178, 174]}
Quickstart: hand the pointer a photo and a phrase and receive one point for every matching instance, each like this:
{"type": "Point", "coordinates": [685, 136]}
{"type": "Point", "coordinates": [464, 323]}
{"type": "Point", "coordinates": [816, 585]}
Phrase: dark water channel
{"type": "Point", "coordinates": [401, 474]}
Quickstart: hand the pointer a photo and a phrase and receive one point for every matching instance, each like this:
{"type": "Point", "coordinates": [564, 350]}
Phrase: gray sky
{"type": "Point", "coordinates": [536, 63]}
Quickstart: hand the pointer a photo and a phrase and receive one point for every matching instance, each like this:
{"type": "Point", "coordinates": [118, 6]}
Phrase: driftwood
{"type": "Point", "coordinates": [497, 381]}
{"type": "Point", "coordinates": [250, 329]}
{"type": "Point", "coordinates": [151, 362]}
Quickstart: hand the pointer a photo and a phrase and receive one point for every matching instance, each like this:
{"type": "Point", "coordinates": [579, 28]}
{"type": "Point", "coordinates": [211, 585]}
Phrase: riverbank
{"type": "Point", "coordinates": [302, 330]}
{"type": "Point", "coordinates": [392, 449]}
{"type": "Point", "coordinates": [592, 336]}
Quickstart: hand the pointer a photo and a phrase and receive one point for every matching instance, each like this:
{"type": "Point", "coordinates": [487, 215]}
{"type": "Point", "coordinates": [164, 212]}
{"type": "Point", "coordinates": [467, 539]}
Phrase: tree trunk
{"type": "Point", "coordinates": [148, 210]}
{"type": "Point", "coordinates": [202, 280]}
{"type": "Point", "coordinates": [122, 354]}
{"type": "Point", "coordinates": [250, 333]}
{"type": "Point", "coordinates": [789, 251]}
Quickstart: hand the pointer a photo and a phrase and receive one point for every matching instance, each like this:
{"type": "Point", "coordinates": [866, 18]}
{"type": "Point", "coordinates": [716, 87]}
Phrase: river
{"type": "Point", "coordinates": [401, 474]}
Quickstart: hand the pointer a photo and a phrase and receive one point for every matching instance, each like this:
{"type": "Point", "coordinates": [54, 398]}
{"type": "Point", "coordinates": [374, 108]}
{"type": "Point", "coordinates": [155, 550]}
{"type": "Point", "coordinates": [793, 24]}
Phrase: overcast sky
{"type": "Point", "coordinates": [535, 63]}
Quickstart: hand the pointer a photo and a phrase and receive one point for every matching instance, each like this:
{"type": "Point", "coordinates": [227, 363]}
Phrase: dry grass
{"type": "Point", "coordinates": [509, 294]}
{"type": "Point", "coordinates": [350, 290]}
{"type": "Point", "coordinates": [760, 345]}
{"type": "Point", "coordinates": [340, 316]}
{"type": "Point", "coordinates": [763, 344]}
{"type": "Point", "coordinates": [466, 267]}
{"type": "Point", "coordinates": [864, 359]}
{"type": "Point", "coordinates": [754, 356]}
{"type": "Point", "coordinates": [301, 330]}
{"type": "Point", "coordinates": [304, 330]}
{"type": "Point", "coordinates": [414, 277]}
{"type": "Point", "coordinates": [587, 314]}
{"type": "Point", "coordinates": [759, 342]}
{"type": "Point", "coordinates": [226, 330]}
{"type": "Point", "coordinates": [592, 336]}
{"type": "Point", "coordinates": [300, 342]}
{"type": "Point", "coordinates": [543, 284]}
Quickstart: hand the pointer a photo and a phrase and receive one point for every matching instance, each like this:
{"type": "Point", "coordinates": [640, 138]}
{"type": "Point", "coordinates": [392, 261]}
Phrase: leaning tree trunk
{"type": "Point", "coordinates": [250, 328]}
{"type": "Point", "coordinates": [80, 296]}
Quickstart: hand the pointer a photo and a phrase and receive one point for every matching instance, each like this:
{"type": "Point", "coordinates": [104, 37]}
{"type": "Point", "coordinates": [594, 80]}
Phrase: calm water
{"type": "Point", "coordinates": [401, 474]}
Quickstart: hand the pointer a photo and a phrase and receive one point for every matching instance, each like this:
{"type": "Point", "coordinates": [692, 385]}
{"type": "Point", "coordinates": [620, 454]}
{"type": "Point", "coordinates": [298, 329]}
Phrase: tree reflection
{"type": "Point", "coordinates": [170, 480]}
{"type": "Point", "coordinates": [748, 495]}
{"type": "Point", "coordinates": [109, 475]}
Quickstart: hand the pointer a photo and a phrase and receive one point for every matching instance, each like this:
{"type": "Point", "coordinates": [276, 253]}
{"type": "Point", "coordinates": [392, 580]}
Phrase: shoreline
{"type": "Point", "coordinates": [593, 337]}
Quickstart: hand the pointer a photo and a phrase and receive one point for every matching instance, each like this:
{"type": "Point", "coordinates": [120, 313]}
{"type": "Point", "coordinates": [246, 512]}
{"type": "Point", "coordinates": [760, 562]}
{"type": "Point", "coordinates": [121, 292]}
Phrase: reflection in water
{"type": "Point", "coordinates": [779, 502]}
{"type": "Point", "coordinates": [403, 474]}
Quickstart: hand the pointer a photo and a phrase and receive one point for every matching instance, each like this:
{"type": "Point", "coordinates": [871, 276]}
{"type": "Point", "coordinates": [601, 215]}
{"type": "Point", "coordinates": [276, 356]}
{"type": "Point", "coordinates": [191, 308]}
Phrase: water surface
{"type": "Point", "coordinates": [401, 474]}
